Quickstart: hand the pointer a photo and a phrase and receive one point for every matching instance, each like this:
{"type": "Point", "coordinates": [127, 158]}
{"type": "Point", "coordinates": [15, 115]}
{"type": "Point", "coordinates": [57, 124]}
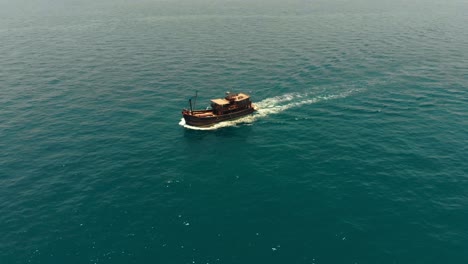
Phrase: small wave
{"type": "Point", "coordinates": [274, 105]}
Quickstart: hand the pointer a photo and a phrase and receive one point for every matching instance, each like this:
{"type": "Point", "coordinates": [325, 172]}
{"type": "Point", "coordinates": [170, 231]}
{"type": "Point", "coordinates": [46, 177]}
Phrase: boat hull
{"type": "Point", "coordinates": [206, 121]}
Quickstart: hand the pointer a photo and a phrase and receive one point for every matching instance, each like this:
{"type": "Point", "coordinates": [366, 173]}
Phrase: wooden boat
{"type": "Point", "coordinates": [231, 107]}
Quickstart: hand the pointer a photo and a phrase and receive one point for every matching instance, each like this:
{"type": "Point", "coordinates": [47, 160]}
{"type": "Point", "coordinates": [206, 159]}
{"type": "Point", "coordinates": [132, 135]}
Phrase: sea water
{"type": "Point", "coordinates": [357, 153]}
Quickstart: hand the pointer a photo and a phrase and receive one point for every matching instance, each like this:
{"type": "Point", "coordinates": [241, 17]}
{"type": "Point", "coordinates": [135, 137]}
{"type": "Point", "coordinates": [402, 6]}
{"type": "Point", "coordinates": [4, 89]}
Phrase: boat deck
{"type": "Point", "coordinates": [209, 114]}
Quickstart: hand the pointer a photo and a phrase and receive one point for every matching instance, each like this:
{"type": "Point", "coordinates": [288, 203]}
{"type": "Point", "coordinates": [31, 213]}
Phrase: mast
{"type": "Point", "coordinates": [196, 96]}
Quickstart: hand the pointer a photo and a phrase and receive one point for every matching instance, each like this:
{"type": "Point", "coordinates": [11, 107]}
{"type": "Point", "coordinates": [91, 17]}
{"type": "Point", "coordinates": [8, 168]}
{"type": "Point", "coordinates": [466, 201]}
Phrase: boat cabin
{"type": "Point", "coordinates": [230, 103]}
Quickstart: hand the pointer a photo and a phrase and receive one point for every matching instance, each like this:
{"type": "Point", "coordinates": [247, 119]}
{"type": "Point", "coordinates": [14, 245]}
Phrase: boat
{"type": "Point", "coordinates": [232, 106]}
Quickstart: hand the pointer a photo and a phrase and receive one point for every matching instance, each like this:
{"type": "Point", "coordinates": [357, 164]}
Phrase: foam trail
{"type": "Point", "coordinates": [274, 105]}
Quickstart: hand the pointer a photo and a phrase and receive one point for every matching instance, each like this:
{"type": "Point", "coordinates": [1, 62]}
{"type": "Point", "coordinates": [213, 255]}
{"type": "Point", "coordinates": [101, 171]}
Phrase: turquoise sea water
{"type": "Point", "coordinates": [358, 153]}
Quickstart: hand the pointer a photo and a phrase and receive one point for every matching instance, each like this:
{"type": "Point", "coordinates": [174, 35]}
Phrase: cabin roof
{"type": "Point", "coordinates": [220, 101]}
{"type": "Point", "coordinates": [237, 98]}
{"type": "Point", "coordinates": [241, 96]}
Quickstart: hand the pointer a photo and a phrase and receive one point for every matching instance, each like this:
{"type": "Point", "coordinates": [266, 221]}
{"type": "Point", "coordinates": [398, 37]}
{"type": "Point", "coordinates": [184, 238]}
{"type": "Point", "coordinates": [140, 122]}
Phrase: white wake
{"type": "Point", "coordinates": [275, 105]}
